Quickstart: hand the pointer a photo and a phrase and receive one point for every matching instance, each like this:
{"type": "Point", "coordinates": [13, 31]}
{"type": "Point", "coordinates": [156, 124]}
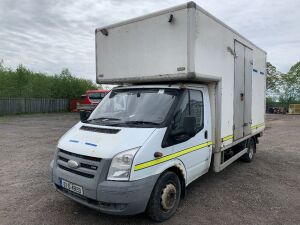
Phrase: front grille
{"type": "Point", "coordinates": [91, 167]}
{"type": "Point", "coordinates": [62, 158]}
{"type": "Point", "coordinates": [88, 166]}
{"type": "Point", "coordinates": [76, 172]}
{"type": "Point", "coordinates": [84, 165]}
{"type": "Point", "coordinates": [80, 156]}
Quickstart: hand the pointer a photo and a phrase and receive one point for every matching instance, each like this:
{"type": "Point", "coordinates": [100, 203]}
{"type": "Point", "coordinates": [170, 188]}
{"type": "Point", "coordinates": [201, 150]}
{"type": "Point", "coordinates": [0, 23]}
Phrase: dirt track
{"type": "Point", "coordinates": [266, 191]}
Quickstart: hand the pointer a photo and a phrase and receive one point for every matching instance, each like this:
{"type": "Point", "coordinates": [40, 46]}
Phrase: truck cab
{"type": "Point", "coordinates": [135, 134]}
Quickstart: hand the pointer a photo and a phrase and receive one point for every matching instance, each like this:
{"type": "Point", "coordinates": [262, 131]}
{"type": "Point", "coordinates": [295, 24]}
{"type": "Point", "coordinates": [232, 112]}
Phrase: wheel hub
{"type": "Point", "coordinates": [168, 197]}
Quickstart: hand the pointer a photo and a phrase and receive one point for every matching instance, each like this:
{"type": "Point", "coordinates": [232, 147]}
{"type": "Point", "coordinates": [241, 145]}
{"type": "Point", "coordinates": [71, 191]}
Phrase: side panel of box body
{"type": "Point", "coordinates": [258, 90]}
{"type": "Point", "coordinates": [149, 47]}
{"type": "Point", "coordinates": [214, 55]}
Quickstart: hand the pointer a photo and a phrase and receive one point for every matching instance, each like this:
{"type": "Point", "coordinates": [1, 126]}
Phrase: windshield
{"type": "Point", "coordinates": [134, 107]}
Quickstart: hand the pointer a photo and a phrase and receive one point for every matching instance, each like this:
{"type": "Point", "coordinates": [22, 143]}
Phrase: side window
{"type": "Point", "coordinates": [191, 105]}
{"type": "Point", "coordinates": [196, 107]}
{"type": "Point", "coordinates": [180, 113]}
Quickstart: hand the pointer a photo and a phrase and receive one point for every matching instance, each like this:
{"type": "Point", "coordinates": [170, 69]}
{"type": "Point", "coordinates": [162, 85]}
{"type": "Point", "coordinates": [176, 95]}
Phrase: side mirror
{"type": "Point", "coordinates": [84, 115]}
{"type": "Point", "coordinates": [189, 125]}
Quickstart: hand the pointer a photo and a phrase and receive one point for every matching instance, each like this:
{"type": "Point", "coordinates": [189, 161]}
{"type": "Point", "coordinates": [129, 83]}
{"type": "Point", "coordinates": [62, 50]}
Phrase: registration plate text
{"type": "Point", "coordinates": [72, 187]}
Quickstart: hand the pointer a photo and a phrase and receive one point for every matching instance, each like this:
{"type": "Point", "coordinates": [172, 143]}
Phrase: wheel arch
{"type": "Point", "coordinates": [255, 140]}
{"type": "Point", "coordinates": [174, 165]}
{"type": "Point", "coordinates": [178, 168]}
{"type": "Point", "coordinates": [178, 171]}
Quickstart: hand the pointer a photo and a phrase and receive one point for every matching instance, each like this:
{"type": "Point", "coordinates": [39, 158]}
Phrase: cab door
{"type": "Point", "coordinates": [194, 152]}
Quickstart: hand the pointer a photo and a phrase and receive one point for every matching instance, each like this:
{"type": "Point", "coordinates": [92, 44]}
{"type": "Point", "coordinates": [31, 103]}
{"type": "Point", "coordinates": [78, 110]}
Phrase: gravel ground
{"type": "Point", "coordinates": [266, 191]}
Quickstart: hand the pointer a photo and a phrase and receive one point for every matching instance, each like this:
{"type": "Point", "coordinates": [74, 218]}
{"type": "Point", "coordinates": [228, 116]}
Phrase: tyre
{"type": "Point", "coordinates": [165, 197]}
{"type": "Point", "coordinates": [249, 155]}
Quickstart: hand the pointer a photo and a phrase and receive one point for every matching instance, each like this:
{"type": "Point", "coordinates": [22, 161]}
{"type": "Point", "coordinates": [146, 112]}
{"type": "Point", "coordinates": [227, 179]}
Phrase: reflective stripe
{"type": "Point", "coordinates": [253, 127]}
{"type": "Point", "coordinates": [257, 126]}
{"type": "Point", "coordinates": [171, 156]}
{"type": "Point", "coordinates": [227, 138]}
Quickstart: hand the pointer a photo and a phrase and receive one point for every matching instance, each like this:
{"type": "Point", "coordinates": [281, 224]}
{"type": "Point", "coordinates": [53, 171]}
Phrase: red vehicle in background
{"type": "Point", "coordinates": [90, 100]}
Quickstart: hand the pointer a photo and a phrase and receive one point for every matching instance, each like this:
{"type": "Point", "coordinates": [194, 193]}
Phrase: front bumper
{"type": "Point", "coordinates": [112, 197]}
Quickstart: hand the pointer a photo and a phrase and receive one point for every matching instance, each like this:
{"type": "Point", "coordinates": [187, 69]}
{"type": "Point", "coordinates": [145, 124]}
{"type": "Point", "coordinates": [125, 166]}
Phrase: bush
{"type": "Point", "coordinates": [25, 83]}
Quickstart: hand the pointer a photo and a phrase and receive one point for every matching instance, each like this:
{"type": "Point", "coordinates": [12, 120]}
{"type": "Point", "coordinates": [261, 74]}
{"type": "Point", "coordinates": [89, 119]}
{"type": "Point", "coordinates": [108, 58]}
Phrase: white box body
{"type": "Point", "coordinates": [193, 47]}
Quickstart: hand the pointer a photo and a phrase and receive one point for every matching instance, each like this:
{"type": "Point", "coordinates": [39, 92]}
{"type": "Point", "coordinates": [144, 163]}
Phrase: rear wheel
{"type": "Point", "coordinates": [251, 147]}
{"type": "Point", "coordinates": [165, 197]}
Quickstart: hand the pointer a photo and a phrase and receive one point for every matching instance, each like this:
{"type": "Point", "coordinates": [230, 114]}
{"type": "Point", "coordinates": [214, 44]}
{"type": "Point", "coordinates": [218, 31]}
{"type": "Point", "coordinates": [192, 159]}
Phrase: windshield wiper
{"type": "Point", "coordinates": [141, 122]}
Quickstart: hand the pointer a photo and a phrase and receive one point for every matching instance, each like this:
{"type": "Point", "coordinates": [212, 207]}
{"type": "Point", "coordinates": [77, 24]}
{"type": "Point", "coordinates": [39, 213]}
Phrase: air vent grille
{"type": "Point", "coordinates": [100, 130]}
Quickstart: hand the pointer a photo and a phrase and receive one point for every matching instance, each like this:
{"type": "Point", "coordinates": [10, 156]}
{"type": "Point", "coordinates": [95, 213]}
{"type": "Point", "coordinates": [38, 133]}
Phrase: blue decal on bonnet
{"type": "Point", "coordinates": [75, 141]}
{"type": "Point", "coordinates": [91, 144]}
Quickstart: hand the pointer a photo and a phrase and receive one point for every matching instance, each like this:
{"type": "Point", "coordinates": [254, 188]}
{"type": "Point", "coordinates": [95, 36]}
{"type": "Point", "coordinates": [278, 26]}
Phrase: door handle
{"type": "Point", "coordinates": [205, 134]}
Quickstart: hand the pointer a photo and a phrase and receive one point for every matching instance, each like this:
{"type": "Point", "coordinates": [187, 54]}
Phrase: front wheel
{"type": "Point", "coordinates": [249, 155]}
{"type": "Point", "coordinates": [165, 197]}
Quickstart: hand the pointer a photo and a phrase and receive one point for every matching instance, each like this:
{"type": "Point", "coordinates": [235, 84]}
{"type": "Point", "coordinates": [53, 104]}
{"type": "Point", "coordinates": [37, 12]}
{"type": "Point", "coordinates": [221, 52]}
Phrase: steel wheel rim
{"type": "Point", "coordinates": [168, 197]}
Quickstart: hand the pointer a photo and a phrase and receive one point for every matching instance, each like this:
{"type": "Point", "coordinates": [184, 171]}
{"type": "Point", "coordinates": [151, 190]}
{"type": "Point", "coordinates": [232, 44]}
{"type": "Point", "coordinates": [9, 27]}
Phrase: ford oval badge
{"type": "Point", "coordinates": [73, 164]}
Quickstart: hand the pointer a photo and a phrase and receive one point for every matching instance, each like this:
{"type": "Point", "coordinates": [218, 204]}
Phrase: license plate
{"type": "Point", "coordinates": [72, 187]}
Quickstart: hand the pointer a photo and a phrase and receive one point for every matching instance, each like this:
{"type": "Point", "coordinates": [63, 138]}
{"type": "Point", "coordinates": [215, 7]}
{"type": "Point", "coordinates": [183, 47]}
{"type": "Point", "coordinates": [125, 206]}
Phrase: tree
{"type": "Point", "coordinates": [25, 83]}
{"type": "Point", "coordinates": [22, 78]}
{"type": "Point", "coordinates": [66, 73]}
{"type": "Point", "coordinates": [2, 68]}
{"type": "Point", "coordinates": [272, 81]}
{"type": "Point", "coordinates": [290, 86]}
{"type": "Point", "coordinates": [294, 74]}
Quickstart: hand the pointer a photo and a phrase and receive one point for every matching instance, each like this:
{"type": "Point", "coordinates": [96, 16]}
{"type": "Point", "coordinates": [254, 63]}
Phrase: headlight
{"type": "Point", "coordinates": [120, 166]}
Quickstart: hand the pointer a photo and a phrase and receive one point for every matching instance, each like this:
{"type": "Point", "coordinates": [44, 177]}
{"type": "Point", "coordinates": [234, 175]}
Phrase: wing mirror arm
{"type": "Point", "coordinates": [84, 115]}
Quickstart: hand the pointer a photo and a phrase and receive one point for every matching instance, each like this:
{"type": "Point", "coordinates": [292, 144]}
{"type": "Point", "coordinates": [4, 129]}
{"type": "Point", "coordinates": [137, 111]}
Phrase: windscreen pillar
{"type": "Point", "coordinates": [218, 113]}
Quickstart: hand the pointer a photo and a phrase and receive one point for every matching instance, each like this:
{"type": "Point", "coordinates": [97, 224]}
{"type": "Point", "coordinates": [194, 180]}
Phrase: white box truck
{"type": "Point", "coordinates": [191, 97]}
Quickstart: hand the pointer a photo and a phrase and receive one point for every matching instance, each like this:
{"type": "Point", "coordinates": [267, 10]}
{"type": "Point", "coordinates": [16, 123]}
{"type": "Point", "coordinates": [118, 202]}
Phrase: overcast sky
{"type": "Point", "coordinates": [48, 35]}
